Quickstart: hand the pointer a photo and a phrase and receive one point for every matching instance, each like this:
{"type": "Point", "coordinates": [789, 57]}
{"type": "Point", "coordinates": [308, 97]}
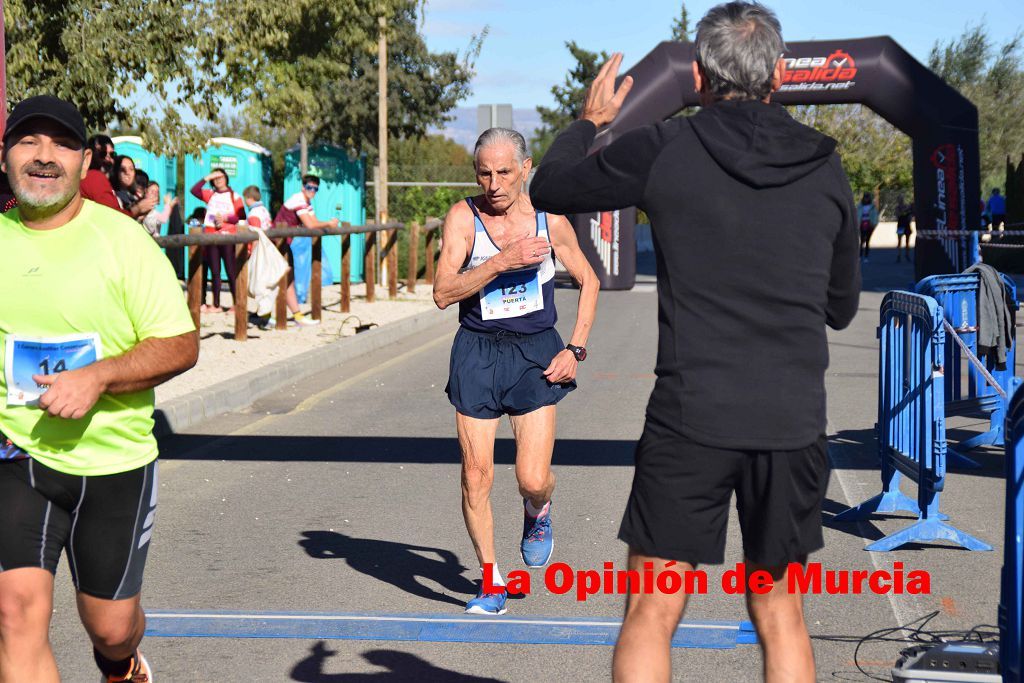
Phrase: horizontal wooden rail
{"type": "Point", "coordinates": [196, 239]}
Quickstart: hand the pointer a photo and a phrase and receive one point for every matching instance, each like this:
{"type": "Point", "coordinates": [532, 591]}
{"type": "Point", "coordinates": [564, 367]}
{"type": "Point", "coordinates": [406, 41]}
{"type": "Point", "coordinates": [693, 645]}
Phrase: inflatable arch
{"type": "Point", "coordinates": [875, 72]}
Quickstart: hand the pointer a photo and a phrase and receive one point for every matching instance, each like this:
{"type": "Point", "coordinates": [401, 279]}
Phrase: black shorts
{"type": "Point", "coordinates": [502, 373]}
{"type": "Point", "coordinates": [104, 522]}
{"type": "Point", "coordinates": [679, 506]}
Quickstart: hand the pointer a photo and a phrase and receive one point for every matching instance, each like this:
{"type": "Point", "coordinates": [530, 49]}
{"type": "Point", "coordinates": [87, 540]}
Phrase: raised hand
{"type": "Point", "coordinates": [603, 101]}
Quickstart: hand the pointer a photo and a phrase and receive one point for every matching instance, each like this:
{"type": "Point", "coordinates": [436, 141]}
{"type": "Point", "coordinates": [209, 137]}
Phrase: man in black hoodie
{"type": "Point", "coordinates": [756, 241]}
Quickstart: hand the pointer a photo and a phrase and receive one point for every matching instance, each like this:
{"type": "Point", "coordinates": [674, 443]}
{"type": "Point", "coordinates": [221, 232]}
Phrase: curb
{"type": "Point", "coordinates": [239, 392]}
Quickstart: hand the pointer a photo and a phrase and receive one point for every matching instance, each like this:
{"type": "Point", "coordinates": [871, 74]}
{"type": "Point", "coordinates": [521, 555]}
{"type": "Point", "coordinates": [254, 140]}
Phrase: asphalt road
{"type": "Point", "coordinates": [341, 495]}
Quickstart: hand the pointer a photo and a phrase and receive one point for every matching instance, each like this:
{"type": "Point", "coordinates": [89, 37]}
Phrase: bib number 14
{"type": "Point", "coordinates": [28, 356]}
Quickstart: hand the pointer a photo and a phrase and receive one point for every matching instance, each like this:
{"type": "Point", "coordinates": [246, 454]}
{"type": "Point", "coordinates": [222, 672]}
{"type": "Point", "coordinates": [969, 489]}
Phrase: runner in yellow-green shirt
{"type": "Point", "coordinates": [91, 319]}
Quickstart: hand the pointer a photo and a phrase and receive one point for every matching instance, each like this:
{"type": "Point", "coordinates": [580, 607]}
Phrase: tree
{"type": "Point", "coordinates": [102, 56]}
{"type": "Point", "coordinates": [312, 68]}
{"type": "Point", "coordinates": [874, 153]}
{"type": "Point", "coordinates": [568, 97]}
{"type": "Point", "coordinates": [992, 77]}
{"type": "Point", "coordinates": [423, 86]}
{"type": "Point", "coordinates": [681, 26]}
{"type": "Point", "coordinates": [430, 158]}
{"type": "Point", "coordinates": [276, 57]}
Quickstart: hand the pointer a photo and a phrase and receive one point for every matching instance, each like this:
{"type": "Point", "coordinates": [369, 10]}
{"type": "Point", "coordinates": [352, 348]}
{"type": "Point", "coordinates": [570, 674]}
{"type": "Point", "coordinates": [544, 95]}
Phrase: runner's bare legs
{"type": "Point", "coordinates": [535, 437]}
{"type": "Point", "coordinates": [535, 443]}
{"type": "Point", "coordinates": [476, 441]}
{"type": "Point", "coordinates": [26, 603]}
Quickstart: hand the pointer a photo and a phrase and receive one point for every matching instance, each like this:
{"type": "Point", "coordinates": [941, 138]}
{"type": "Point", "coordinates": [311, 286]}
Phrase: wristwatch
{"type": "Point", "coordinates": [578, 351]}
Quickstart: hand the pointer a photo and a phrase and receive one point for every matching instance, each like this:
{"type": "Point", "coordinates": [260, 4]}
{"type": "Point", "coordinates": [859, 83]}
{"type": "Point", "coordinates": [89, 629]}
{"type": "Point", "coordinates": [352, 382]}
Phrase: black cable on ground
{"type": "Point", "coordinates": [916, 635]}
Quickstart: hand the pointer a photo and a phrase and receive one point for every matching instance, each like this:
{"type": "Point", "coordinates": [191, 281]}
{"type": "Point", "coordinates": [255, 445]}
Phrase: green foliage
{"type": "Point", "coordinates": [294, 66]}
{"type": "Point", "coordinates": [992, 77]}
{"type": "Point", "coordinates": [432, 158]}
{"type": "Point", "coordinates": [423, 86]}
{"type": "Point", "coordinates": [569, 98]}
{"type": "Point", "coordinates": [681, 26]}
{"type": "Point", "coordinates": [875, 154]}
{"type": "Point", "coordinates": [101, 55]}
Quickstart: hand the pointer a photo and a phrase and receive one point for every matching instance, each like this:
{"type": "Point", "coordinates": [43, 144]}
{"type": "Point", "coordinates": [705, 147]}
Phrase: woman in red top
{"type": "Point", "coordinates": [224, 211]}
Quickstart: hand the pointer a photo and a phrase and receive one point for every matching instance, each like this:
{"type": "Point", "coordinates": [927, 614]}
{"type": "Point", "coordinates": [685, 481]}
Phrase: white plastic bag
{"type": "Point", "coordinates": [266, 266]}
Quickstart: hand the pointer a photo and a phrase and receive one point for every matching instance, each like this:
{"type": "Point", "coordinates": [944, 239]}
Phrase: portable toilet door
{"type": "Point", "coordinates": [160, 169]}
{"type": "Point", "coordinates": [245, 163]}
{"type": "Point", "coordinates": [342, 195]}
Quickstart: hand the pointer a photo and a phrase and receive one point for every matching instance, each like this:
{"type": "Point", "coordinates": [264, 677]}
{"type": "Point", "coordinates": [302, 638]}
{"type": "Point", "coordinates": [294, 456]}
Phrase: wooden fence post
{"type": "Point", "coordinates": [195, 277]}
{"type": "Point", "coordinates": [316, 280]}
{"type": "Point", "coordinates": [241, 301]}
{"type": "Point", "coordinates": [414, 248]}
{"type": "Point", "coordinates": [346, 273]}
{"type": "Point", "coordinates": [281, 309]}
{"type": "Point", "coordinates": [429, 265]}
{"type": "Point", "coordinates": [392, 264]}
{"type": "Point", "coordinates": [370, 265]}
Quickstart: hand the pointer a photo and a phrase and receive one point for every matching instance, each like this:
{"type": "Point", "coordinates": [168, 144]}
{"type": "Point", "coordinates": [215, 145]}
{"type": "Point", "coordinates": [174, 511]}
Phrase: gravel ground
{"type": "Point", "coordinates": [221, 357]}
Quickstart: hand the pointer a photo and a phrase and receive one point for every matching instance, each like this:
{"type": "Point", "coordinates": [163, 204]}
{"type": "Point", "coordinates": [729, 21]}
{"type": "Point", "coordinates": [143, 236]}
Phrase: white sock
{"type": "Point", "coordinates": [496, 579]}
{"type": "Point", "coordinates": [536, 512]}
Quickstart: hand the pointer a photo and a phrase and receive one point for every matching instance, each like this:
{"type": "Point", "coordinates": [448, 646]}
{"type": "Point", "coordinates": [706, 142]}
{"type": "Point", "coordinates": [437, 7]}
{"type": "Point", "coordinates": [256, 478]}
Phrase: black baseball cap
{"type": "Point", "coordinates": [47, 107]}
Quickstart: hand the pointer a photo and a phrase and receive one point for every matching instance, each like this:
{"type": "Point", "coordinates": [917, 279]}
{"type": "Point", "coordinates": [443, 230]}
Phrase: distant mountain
{"type": "Point", "coordinates": [462, 128]}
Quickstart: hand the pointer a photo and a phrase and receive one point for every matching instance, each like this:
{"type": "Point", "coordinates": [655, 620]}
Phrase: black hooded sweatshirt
{"type": "Point", "coordinates": [756, 241]}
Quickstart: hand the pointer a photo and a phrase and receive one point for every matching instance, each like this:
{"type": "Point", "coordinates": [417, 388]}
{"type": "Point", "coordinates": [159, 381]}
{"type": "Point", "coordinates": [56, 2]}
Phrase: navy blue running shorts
{"type": "Point", "coordinates": [502, 373]}
{"type": "Point", "coordinates": [679, 506]}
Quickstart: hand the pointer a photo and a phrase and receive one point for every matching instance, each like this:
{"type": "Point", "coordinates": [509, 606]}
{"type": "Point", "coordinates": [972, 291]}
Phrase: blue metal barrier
{"type": "Point", "coordinates": [911, 422]}
{"type": "Point", "coordinates": [1011, 619]}
{"type": "Point", "coordinates": [958, 296]}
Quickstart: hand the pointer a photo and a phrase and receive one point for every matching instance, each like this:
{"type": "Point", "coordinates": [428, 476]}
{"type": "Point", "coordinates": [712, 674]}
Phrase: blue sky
{"type": "Point", "coordinates": [524, 54]}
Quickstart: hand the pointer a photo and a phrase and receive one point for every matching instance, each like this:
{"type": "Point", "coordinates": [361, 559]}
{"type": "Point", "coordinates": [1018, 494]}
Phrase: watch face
{"type": "Point", "coordinates": [579, 352]}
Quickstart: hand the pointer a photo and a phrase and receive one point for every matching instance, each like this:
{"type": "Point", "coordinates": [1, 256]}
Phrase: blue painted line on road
{"type": "Point", "coordinates": [434, 628]}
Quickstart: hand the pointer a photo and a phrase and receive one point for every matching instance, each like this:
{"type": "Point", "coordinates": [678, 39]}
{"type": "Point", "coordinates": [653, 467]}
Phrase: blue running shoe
{"type": "Point", "coordinates": [487, 603]}
{"type": "Point", "coordinates": [538, 541]}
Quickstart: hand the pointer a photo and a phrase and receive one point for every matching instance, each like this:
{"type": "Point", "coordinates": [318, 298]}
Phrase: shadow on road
{"type": "Point", "coordinates": [398, 564]}
{"type": "Point", "coordinates": [401, 666]}
{"type": "Point", "coordinates": [415, 450]}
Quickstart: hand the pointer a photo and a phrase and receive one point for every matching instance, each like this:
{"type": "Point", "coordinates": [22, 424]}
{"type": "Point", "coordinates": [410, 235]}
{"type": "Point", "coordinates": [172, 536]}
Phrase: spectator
{"type": "Point", "coordinates": [196, 218]}
{"type": "Point", "coordinates": [7, 199]}
{"type": "Point", "coordinates": [996, 208]}
{"type": "Point", "coordinates": [141, 184]}
{"type": "Point", "coordinates": [122, 180]}
{"type": "Point", "coordinates": [259, 217]}
{"type": "Point", "coordinates": [754, 228]}
{"type": "Point", "coordinates": [298, 212]}
{"type": "Point", "coordinates": [868, 215]}
{"type": "Point", "coordinates": [96, 185]}
{"type": "Point", "coordinates": [224, 210]}
{"type": "Point", "coordinates": [156, 218]}
{"type": "Point", "coordinates": [904, 216]}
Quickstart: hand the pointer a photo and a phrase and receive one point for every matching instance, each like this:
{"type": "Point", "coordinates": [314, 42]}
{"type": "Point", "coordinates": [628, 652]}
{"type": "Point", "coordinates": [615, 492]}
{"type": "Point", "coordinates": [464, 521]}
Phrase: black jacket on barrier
{"type": "Point", "coordinates": [756, 242]}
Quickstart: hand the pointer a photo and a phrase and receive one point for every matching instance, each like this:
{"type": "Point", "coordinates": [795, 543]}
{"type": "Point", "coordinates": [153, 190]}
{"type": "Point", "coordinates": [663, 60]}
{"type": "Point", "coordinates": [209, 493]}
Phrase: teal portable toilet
{"type": "Point", "coordinates": [159, 168]}
{"type": "Point", "coordinates": [246, 164]}
{"type": "Point", "coordinates": [342, 195]}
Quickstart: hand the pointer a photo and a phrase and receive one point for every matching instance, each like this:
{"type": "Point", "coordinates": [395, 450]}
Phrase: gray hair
{"type": "Point", "coordinates": [494, 136]}
{"type": "Point", "coordinates": [738, 45]}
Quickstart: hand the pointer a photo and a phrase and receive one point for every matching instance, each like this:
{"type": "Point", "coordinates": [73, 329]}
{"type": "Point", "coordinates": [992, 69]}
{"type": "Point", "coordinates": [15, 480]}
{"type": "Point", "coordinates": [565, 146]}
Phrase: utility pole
{"type": "Point", "coordinates": [382, 134]}
{"type": "Point", "coordinates": [303, 154]}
